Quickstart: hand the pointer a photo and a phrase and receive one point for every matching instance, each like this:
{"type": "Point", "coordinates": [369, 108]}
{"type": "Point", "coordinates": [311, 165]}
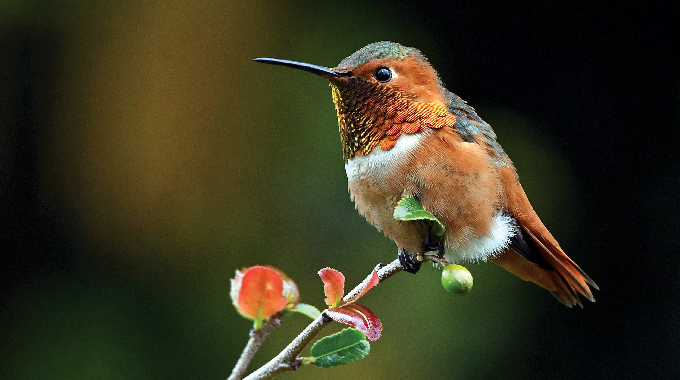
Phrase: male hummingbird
{"type": "Point", "coordinates": [404, 134]}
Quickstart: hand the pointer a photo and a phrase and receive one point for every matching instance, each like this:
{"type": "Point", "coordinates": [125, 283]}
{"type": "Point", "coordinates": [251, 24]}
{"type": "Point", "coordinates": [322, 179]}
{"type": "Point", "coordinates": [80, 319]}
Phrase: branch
{"type": "Point", "coordinates": [256, 339]}
{"type": "Point", "coordinates": [287, 360]}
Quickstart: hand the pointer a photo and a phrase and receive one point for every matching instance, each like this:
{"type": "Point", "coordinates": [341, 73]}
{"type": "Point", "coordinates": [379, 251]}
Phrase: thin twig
{"type": "Point", "coordinates": [287, 360]}
{"type": "Point", "coordinates": [384, 272]}
{"type": "Point", "coordinates": [256, 339]}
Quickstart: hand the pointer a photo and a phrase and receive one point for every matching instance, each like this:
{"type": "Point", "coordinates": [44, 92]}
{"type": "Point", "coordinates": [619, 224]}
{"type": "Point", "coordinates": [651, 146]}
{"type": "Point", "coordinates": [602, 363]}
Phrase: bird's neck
{"type": "Point", "coordinates": [370, 115]}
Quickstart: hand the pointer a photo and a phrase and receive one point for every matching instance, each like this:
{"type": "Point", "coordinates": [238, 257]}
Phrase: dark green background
{"type": "Point", "coordinates": [144, 158]}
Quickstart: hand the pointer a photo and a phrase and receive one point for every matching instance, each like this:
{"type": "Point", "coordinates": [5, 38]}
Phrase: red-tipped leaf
{"type": "Point", "coordinates": [359, 317]}
{"type": "Point", "coordinates": [371, 283]}
{"type": "Point", "coordinates": [333, 285]}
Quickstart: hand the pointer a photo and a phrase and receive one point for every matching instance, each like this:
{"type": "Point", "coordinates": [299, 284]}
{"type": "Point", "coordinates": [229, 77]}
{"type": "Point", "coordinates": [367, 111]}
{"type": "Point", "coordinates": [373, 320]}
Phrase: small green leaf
{"type": "Point", "coordinates": [307, 310]}
{"type": "Point", "coordinates": [409, 208]}
{"type": "Point", "coordinates": [341, 348]}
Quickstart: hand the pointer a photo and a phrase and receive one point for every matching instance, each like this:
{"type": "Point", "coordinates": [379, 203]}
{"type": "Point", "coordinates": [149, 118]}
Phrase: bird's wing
{"type": "Point", "coordinates": [473, 129]}
{"type": "Point", "coordinates": [537, 256]}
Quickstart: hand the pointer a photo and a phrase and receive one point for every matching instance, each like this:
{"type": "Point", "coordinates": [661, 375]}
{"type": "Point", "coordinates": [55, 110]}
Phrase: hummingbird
{"type": "Point", "coordinates": [404, 134]}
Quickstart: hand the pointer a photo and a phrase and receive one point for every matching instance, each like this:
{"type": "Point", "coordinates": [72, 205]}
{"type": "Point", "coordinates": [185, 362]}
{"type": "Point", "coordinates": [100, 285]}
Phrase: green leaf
{"type": "Point", "coordinates": [341, 348]}
{"type": "Point", "coordinates": [307, 310]}
{"type": "Point", "coordinates": [409, 208]}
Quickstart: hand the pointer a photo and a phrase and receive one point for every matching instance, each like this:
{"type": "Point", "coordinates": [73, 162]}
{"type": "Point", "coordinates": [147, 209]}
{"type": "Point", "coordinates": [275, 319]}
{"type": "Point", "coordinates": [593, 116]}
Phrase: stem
{"type": "Point", "coordinates": [287, 360]}
{"type": "Point", "coordinates": [384, 272]}
{"type": "Point", "coordinates": [256, 339]}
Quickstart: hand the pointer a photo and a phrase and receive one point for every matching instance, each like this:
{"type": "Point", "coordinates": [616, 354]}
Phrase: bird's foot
{"type": "Point", "coordinates": [410, 261]}
{"type": "Point", "coordinates": [434, 245]}
{"type": "Point", "coordinates": [436, 259]}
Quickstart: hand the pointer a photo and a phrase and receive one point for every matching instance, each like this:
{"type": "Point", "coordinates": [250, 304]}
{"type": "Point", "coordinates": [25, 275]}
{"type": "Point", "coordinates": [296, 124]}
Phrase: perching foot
{"type": "Point", "coordinates": [409, 261]}
{"type": "Point", "coordinates": [433, 245]}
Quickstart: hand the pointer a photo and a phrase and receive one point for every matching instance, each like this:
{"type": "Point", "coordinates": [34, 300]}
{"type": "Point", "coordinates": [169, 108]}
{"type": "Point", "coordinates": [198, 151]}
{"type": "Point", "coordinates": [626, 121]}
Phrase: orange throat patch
{"type": "Point", "coordinates": [370, 114]}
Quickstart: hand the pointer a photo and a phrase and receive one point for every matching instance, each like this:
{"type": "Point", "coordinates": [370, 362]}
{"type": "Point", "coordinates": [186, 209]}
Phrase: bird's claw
{"type": "Point", "coordinates": [434, 245]}
{"type": "Point", "coordinates": [410, 261]}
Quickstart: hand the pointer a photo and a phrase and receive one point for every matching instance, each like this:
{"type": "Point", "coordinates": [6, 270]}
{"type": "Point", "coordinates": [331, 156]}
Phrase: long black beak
{"type": "Point", "coordinates": [314, 69]}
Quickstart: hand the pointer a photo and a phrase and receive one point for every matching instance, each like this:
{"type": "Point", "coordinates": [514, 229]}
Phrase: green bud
{"type": "Point", "coordinates": [457, 279]}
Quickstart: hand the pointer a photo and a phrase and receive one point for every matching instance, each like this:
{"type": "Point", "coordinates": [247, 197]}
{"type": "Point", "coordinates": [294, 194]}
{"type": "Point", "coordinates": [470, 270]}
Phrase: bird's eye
{"type": "Point", "coordinates": [382, 74]}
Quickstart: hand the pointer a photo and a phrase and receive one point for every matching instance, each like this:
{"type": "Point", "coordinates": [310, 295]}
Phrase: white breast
{"type": "Point", "coordinates": [380, 162]}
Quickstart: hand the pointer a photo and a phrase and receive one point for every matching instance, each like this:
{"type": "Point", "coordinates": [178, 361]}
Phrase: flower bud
{"type": "Point", "coordinates": [457, 279]}
{"type": "Point", "coordinates": [261, 291]}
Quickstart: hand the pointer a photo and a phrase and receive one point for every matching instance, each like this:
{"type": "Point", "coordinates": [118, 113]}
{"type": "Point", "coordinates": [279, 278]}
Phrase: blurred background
{"type": "Point", "coordinates": [144, 158]}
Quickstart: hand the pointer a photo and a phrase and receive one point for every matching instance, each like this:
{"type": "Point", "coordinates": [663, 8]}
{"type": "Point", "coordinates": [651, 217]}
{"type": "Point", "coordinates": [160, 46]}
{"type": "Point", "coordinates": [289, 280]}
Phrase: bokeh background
{"type": "Point", "coordinates": [144, 158]}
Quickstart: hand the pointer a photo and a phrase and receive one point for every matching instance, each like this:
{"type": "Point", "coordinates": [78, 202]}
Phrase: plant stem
{"type": "Point", "coordinates": [256, 339]}
{"type": "Point", "coordinates": [287, 360]}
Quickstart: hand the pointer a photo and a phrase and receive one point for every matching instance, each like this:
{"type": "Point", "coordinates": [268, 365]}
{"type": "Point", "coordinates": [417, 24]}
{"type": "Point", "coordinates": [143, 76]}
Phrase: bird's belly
{"type": "Point", "coordinates": [457, 187]}
{"type": "Point", "coordinates": [378, 181]}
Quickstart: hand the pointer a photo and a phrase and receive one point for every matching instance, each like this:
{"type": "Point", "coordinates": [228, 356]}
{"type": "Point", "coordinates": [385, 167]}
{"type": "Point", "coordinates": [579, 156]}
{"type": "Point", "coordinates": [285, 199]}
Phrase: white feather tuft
{"type": "Point", "coordinates": [473, 248]}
